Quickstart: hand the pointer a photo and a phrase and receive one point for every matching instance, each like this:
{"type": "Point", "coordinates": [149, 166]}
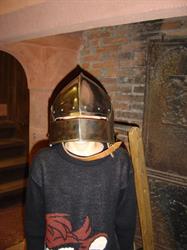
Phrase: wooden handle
{"type": "Point", "coordinates": [142, 187]}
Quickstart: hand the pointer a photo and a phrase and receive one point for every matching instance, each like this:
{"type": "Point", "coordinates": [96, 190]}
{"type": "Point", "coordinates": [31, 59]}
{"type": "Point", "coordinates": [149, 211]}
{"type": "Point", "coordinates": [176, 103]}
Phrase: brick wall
{"type": "Point", "coordinates": [117, 56]}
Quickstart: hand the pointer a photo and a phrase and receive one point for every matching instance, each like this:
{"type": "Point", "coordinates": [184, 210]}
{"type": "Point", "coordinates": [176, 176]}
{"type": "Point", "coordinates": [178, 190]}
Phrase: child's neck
{"type": "Point", "coordinates": [84, 148]}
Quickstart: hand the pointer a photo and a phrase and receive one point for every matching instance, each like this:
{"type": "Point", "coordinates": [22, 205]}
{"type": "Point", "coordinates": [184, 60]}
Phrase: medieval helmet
{"type": "Point", "coordinates": [81, 110]}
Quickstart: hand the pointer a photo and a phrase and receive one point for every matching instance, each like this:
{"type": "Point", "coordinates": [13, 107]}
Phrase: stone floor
{"type": "Point", "coordinates": [11, 222]}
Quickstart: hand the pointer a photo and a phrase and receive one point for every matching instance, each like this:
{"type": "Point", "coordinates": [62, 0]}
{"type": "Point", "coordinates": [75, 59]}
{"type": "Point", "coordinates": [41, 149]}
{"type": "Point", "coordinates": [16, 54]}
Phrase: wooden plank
{"type": "Point", "coordinates": [13, 162]}
{"type": "Point", "coordinates": [7, 123]}
{"type": "Point", "coordinates": [19, 246]}
{"type": "Point", "coordinates": [3, 109]}
{"type": "Point", "coordinates": [11, 142]}
{"type": "Point", "coordinates": [142, 187]}
{"type": "Point", "coordinates": [12, 186]}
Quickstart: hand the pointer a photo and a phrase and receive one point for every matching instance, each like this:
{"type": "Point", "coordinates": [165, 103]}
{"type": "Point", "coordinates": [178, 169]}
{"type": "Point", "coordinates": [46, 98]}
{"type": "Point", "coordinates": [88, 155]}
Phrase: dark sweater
{"type": "Point", "coordinates": [80, 205]}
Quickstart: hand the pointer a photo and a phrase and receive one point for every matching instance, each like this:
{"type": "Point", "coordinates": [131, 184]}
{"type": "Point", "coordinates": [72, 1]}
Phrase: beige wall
{"type": "Point", "coordinates": [45, 65]}
{"type": "Point", "coordinates": [21, 20]}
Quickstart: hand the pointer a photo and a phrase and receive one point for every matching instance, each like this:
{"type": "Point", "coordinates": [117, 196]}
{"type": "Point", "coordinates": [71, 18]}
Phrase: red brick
{"type": "Point", "coordinates": [128, 115]}
{"type": "Point", "coordinates": [110, 87]}
{"type": "Point", "coordinates": [124, 89]}
{"type": "Point", "coordinates": [85, 52]}
{"type": "Point", "coordinates": [105, 64]}
{"type": "Point", "coordinates": [109, 49]}
{"type": "Point", "coordinates": [96, 72]}
{"type": "Point", "coordinates": [85, 66]}
{"type": "Point", "coordinates": [140, 57]}
{"type": "Point", "coordinates": [132, 46]}
{"type": "Point", "coordinates": [120, 106]}
{"type": "Point", "coordinates": [98, 33]}
{"type": "Point", "coordinates": [110, 72]}
{"type": "Point", "coordinates": [137, 106]}
{"type": "Point", "coordinates": [114, 40]}
{"type": "Point", "coordinates": [171, 25]}
{"type": "Point", "coordinates": [94, 43]}
{"type": "Point", "coordinates": [129, 98]}
{"type": "Point", "coordinates": [91, 58]}
{"type": "Point", "coordinates": [125, 62]}
{"type": "Point", "coordinates": [120, 31]}
{"type": "Point", "coordinates": [138, 89]}
{"type": "Point", "coordinates": [110, 80]}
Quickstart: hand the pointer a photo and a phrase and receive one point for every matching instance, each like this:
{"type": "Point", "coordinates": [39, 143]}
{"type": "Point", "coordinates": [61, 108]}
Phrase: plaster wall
{"type": "Point", "coordinates": [45, 65]}
{"type": "Point", "coordinates": [21, 20]}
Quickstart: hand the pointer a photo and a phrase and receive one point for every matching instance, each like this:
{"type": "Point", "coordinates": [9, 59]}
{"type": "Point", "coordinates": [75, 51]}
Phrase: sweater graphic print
{"type": "Point", "coordinates": [60, 234]}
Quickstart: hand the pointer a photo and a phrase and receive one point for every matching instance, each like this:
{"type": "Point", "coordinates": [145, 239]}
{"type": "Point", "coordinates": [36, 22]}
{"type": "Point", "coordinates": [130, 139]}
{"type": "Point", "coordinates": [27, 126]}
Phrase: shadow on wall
{"type": "Point", "coordinates": [37, 147]}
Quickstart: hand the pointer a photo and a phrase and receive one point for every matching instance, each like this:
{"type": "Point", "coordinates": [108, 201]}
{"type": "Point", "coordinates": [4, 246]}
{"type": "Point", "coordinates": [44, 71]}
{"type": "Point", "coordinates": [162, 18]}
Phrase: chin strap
{"type": "Point", "coordinates": [98, 156]}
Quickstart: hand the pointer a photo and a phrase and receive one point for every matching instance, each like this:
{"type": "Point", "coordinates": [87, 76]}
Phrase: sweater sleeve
{"type": "Point", "coordinates": [34, 213]}
{"type": "Point", "coordinates": [126, 210]}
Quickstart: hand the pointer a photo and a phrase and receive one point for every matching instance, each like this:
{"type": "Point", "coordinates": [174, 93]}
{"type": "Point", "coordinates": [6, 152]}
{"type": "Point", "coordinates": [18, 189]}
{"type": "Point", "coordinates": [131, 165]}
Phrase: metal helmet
{"type": "Point", "coordinates": [81, 110]}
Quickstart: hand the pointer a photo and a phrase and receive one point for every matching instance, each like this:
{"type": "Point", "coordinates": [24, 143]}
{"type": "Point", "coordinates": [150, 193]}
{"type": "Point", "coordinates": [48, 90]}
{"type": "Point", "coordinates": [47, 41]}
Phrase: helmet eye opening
{"type": "Point", "coordinates": [81, 117]}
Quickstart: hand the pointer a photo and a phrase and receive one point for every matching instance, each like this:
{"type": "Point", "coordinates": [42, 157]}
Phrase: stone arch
{"type": "Point", "coordinates": [15, 53]}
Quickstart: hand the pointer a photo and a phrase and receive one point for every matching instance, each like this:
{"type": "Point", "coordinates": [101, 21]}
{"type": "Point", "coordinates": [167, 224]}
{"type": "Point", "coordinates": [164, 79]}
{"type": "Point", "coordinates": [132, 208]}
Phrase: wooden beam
{"type": "Point", "coordinates": [13, 162]}
{"type": "Point", "coordinates": [142, 187]}
{"type": "Point", "coordinates": [12, 186]}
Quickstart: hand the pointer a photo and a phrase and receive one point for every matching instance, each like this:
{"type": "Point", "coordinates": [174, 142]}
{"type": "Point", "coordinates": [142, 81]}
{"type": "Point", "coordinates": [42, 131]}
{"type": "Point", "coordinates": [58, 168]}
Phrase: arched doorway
{"type": "Point", "coordinates": [14, 128]}
{"type": "Point", "coordinates": [14, 141]}
{"type": "Point", "coordinates": [14, 124]}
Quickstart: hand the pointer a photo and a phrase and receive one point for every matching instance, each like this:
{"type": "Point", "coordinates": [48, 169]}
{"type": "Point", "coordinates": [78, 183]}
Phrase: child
{"type": "Point", "coordinates": [81, 190]}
